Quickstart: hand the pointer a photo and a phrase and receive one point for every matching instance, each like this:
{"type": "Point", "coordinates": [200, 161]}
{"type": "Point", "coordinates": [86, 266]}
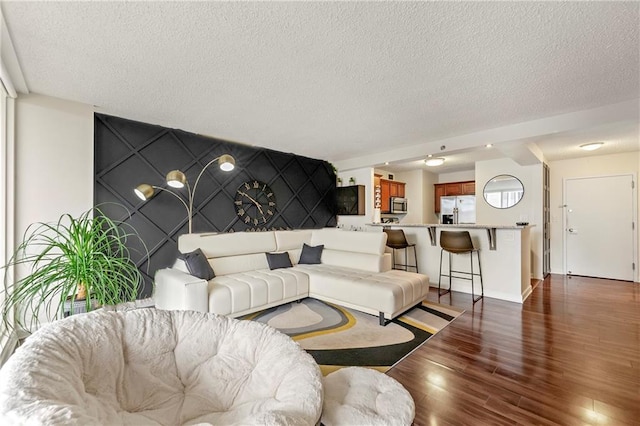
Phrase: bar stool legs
{"type": "Point", "coordinates": [406, 258]}
{"type": "Point", "coordinates": [475, 299]}
{"type": "Point", "coordinates": [468, 275]}
{"type": "Point", "coordinates": [440, 293]}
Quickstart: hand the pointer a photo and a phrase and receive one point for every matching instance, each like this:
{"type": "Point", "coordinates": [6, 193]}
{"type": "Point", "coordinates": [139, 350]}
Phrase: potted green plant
{"type": "Point", "coordinates": [76, 258]}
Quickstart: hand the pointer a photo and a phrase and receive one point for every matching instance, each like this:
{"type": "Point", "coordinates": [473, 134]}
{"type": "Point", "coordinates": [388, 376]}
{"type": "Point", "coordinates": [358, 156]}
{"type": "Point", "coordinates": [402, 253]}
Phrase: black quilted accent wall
{"type": "Point", "coordinates": [128, 153]}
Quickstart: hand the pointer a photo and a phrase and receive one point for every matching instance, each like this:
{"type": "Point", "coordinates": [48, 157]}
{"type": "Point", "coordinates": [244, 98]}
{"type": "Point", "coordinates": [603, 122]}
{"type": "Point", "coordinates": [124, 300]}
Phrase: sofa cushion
{"type": "Point", "coordinates": [246, 292]}
{"type": "Point", "coordinates": [364, 261]}
{"type": "Point", "coordinates": [292, 240]}
{"type": "Point", "coordinates": [354, 242]}
{"type": "Point", "coordinates": [278, 260]}
{"type": "Point", "coordinates": [311, 255]}
{"type": "Point", "coordinates": [197, 264]}
{"type": "Point", "coordinates": [390, 292]}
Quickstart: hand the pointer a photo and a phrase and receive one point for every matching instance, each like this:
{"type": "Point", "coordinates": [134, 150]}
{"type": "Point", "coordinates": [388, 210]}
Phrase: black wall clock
{"type": "Point", "coordinates": [255, 202]}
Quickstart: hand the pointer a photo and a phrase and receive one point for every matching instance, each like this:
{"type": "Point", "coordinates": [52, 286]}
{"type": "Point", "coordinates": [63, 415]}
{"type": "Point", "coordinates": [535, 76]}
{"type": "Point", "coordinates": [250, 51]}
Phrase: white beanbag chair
{"type": "Point", "coordinates": [360, 396]}
{"type": "Point", "coordinates": [156, 367]}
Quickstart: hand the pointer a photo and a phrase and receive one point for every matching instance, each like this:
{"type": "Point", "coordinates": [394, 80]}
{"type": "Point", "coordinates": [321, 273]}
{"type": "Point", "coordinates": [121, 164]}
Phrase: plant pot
{"type": "Point", "coordinates": [77, 306]}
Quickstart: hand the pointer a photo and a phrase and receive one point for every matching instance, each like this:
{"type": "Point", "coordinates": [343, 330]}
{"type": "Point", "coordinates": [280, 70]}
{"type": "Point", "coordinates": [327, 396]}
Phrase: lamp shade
{"type": "Point", "coordinates": [144, 191]}
{"type": "Point", "coordinates": [176, 179]}
{"type": "Point", "coordinates": [226, 162]}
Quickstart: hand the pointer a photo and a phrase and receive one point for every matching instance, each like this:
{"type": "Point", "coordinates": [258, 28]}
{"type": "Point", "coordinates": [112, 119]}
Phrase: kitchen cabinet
{"type": "Point", "coordinates": [388, 189]}
{"type": "Point", "coordinates": [385, 203]}
{"type": "Point", "coordinates": [469, 188]}
{"type": "Point", "coordinates": [452, 188]}
{"type": "Point", "coordinates": [439, 192]}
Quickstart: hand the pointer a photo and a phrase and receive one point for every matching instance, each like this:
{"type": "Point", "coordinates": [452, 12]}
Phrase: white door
{"type": "Point", "coordinates": [599, 228]}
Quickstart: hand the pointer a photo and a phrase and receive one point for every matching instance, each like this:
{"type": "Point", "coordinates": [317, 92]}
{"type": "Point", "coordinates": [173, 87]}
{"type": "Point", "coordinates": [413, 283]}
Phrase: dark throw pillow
{"type": "Point", "coordinates": [197, 264]}
{"type": "Point", "coordinates": [278, 260]}
{"type": "Point", "coordinates": [311, 255]}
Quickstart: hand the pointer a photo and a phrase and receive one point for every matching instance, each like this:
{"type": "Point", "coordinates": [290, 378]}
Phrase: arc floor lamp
{"type": "Point", "coordinates": [177, 179]}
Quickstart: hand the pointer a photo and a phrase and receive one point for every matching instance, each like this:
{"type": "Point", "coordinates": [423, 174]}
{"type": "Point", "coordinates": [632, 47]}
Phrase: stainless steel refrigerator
{"type": "Point", "coordinates": [466, 205]}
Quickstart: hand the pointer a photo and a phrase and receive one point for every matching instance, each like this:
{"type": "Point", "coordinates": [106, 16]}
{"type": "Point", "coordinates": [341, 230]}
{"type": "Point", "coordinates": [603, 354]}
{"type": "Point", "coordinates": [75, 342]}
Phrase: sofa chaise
{"type": "Point", "coordinates": [353, 270]}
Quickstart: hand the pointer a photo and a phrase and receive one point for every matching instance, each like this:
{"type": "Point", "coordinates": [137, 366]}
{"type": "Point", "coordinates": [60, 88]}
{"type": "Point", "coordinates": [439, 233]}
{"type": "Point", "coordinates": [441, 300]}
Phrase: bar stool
{"type": "Point", "coordinates": [397, 240]}
{"type": "Point", "coordinates": [459, 242]}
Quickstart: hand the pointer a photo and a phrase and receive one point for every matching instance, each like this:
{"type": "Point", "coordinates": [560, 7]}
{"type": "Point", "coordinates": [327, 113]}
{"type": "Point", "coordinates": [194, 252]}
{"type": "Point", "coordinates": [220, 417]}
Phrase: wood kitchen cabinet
{"type": "Point", "coordinates": [439, 192]}
{"type": "Point", "coordinates": [388, 189]}
{"type": "Point", "coordinates": [385, 205]}
{"type": "Point", "coordinates": [469, 188]}
{"type": "Point", "coordinates": [452, 188]}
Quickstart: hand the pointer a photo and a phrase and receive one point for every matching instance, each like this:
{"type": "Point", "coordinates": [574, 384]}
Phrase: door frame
{"type": "Point", "coordinates": [634, 216]}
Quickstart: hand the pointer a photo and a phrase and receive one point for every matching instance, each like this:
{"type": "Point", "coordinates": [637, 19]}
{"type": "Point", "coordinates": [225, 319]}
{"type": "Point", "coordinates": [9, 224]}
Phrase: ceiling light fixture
{"type": "Point", "coordinates": [591, 146]}
{"type": "Point", "coordinates": [435, 161]}
{"type": "Point", "coordinates": [488, 145]}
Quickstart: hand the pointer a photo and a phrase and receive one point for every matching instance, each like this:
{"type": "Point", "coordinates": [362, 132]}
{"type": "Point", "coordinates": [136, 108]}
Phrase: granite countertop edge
{"type": "Point", "coordinates": [442, 225]}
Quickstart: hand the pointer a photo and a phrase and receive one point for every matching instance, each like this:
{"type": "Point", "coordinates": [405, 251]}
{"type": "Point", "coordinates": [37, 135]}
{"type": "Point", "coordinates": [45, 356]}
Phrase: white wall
{"type": "Point", "coordinates": [362, 177]}
{"type": "Point", "coordinates": [415, 195]}
{"type": "Point", "coordinates": [529, 209]}
{"type": "Point", "coordinates": [600, 165]}
{"type": "Point", "coordinates": [54, 159]}
{"type": "Point", "coordinates": [456, 176]}
{"type": "Point", "coordinates": [53, 163]}
{"type": "Point", "coordinates": [429, 180]}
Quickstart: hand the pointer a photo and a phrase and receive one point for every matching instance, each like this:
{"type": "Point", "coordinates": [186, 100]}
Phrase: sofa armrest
{"type": "Point", "coordinates": [176, 290]}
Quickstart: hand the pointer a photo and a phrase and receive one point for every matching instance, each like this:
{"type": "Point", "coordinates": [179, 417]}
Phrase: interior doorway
{"type": "Point", "coordinates": [599, 230]}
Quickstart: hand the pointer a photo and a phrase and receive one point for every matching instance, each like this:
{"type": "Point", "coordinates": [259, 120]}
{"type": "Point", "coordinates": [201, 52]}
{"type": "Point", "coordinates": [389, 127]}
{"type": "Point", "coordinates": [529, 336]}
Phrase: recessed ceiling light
{"type": "Point", "coordinates": [432, 162]}
{"type": "Point", "coordinates": [591, 146]}
{"type": "Point", "coordinates": [488, 145]}
{"type": "Point", "coordinates": [386, 163]}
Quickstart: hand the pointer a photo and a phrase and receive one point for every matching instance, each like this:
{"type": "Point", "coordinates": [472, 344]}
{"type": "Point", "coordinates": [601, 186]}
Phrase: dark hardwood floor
{"type": "Point", "coordinates": [570, 355]}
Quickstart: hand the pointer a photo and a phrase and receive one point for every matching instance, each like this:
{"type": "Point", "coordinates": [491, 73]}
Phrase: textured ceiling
{"type": "Point", "coordinates": [333, 80]}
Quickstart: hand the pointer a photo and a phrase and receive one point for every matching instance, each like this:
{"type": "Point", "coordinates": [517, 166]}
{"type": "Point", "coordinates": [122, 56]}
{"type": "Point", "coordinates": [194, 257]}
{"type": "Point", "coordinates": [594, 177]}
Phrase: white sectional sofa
{"type": "Point", "coordinates": [354, 272]}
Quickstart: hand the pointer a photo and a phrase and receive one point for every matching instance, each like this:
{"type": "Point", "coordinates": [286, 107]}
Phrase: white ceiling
{"type": "Point", "coordinates": [349, 82]}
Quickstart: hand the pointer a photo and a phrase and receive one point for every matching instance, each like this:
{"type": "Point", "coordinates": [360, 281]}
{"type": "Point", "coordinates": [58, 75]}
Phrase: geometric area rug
{"type": "Point", "coordinates": [339, 337]}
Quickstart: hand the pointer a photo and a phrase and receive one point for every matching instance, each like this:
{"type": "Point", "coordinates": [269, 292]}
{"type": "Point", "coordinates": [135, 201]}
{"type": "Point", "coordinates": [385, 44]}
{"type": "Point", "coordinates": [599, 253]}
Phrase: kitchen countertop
{"type": "Point", "coordinates": [505, 251]}
{"type": "Point", "coordinates": [449, 225]}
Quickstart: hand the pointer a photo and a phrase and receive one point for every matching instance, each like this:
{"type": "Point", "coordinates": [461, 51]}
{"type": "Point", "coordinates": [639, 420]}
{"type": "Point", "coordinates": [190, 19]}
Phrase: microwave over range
{"type": "Point", "coordinates": [398, 205]}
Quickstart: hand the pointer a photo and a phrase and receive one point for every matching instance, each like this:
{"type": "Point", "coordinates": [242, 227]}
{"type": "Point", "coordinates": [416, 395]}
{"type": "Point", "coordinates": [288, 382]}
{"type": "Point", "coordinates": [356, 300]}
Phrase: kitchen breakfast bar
{"type": "Point", "coordinates": [505, 256]}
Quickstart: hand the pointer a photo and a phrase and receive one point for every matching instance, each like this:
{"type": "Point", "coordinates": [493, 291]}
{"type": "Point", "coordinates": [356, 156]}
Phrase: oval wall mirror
{"type": "Point", "coordinates": [503, 191]}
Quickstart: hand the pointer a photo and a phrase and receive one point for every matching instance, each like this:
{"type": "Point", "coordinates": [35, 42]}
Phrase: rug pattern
{"type": "Point", "coordinates": [338, 337]}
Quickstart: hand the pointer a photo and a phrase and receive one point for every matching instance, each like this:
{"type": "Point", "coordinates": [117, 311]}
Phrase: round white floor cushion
{"type": "Point", "coordinates": [361, 396]}
{"type": "Point", "coordinates": [154, 367]}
